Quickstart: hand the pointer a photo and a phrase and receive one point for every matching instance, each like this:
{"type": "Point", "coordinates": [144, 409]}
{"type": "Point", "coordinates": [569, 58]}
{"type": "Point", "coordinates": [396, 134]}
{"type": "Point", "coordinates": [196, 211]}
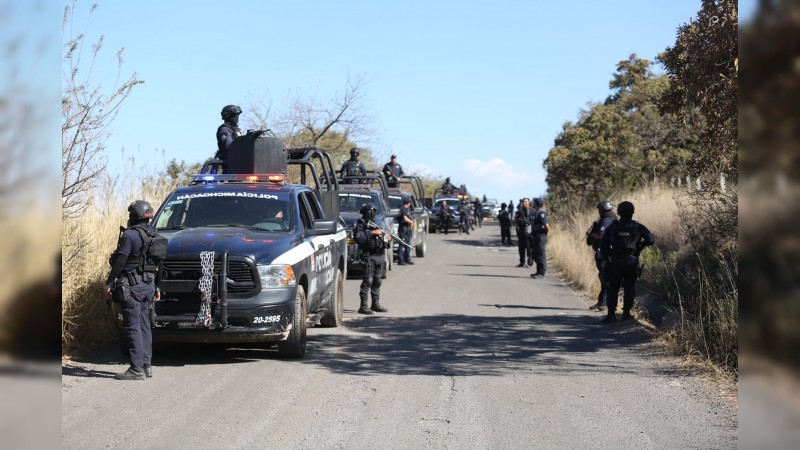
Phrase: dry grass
{"type": "Point", "coordinates": [699, 287]}
{"type": "Point", "coordinates": [87, 244]}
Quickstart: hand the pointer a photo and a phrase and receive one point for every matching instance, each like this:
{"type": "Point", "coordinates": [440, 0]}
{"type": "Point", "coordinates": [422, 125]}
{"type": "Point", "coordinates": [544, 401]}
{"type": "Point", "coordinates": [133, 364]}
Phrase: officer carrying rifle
{"type": "Point", "coordinates": [372, 243]}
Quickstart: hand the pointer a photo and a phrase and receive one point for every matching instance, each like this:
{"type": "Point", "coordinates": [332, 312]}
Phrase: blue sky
{"type": "Point", "coordinates": [472, 90]}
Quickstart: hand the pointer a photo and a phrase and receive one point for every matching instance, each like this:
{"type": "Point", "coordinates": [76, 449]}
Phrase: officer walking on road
{"type": "Point", "coordinates": [404, 227]}
{"type": "Point", "coordinates": [352, 169]}
{"type": "Point", "coordinates": [228, 131]}
{"type": "Point", "coordinates": [539, 230]}
{"type": "Point", "coordinates": [505, 225]}
{"type": "Point", "coordinates": [593, 238]}
{"type": "Point", "coordinates": [523, 220]}
{"type": "Point", "coordinates": [445, 216]}
{"type": "Point", "coordinates": [371, 249]}
{"type": "Point", "coordinates": [135, 284]}
{"type": "Point", "coordinates": [393, 171]}
{"type": "Point", "coordinates": [622, 242]}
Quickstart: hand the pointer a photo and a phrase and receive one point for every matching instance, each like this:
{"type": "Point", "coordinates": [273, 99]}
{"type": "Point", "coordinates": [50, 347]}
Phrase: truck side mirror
{"type": "Point", "coordinates": [322, 226]}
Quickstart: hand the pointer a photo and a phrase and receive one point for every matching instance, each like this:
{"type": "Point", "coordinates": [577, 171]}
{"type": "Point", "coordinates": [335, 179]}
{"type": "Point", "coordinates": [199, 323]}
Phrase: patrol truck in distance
{"type": "Point", "coordinates": [252, 257]}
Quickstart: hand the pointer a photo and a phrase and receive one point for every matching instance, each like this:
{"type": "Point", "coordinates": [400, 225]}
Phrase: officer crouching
{"type": "Point", "coordinates": [371, 248]}
{"type": "Point", "coordinates": [134, 282]}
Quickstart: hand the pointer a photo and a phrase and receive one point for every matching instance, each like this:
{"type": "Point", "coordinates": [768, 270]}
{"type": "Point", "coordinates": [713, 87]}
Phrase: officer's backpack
{"type": "Point", "coordinates": [625, 241]}
{"type": "Point", "coordinates": [154, 250]}
{"type": "Point", "coordinates": [352, 169]}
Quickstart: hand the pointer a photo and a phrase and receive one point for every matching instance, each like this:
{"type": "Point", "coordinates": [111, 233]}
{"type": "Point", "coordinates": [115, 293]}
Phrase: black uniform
{"type": "Point", "coordinates": [539, 240]}
{"type": "Point", "coordinates": [622, 242]}
{"type": "Point", "coordinates": [505, 226]}
{"type": "Point", "coordinates": [524, 228]}
{"type": "Point", "coordinates": [396, 171]}
{"type": "Point", "coordinates": [599, 227]}
{"type": "Point", "coordinates": [126, 267]}
{"type": "Point", "coordinates": [445, 217]}
{"type": "Point", "coordinates": [464, 216]}
{"type": "Point", "coordinates": [226, 133]}
{"type": "Point", "coordinates": [404, 231]}
{"type": "Point", "coordinates": [351, 170]}
{"type": "Point", "coordinates": [448, 187]}
{"type": "Point", "coordinates": [371, 250]}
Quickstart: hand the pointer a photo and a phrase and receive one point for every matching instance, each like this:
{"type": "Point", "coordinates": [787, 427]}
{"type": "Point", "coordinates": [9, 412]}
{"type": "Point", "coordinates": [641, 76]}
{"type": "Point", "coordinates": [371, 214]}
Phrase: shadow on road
{"type": "Point", "coordinates": [498, 306]}
{"type": "Point", "coordinates": [460, 345]}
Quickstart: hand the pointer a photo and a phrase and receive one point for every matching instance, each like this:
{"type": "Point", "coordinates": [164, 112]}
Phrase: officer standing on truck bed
{"type": "Point", "coordinates": [353, 169]}
{"type": "Point", "coordinates": [393, 171]}
{"type": "Point", "coordinates": [371, 249]}
{"type": "Point", "coordinates": [228, 131]}
{"type": "Point", "coordinates": [135, 287]}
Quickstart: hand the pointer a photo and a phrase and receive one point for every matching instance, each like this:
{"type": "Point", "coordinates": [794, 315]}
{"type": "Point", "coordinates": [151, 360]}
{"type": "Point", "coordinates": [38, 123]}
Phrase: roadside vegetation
{"type": "Point", "coordinates": [668, 143]}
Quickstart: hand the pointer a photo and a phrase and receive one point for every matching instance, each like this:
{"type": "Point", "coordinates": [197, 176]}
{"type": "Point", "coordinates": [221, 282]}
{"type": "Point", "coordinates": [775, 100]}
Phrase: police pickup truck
{"type": "Point", "coordinates": [453, 200]}
{"type": "Point", "coordinates": [371, 189]}
{"type": "Point", "coordinates": [411, 186]}
{"type": "Point", "coordinates": [251, 257]}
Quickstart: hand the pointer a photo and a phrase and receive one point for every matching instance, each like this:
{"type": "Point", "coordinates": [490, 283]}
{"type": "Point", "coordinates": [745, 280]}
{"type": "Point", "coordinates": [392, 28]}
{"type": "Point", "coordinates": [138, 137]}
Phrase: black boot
{"type": "Point", "coordinates": [364, 309]}
{"type": "Point", "coordinates": [376, 306]}
{"type": "Point", "coordinates": [133, 373]}
{"type": "Point", "coordinates": [148, 370]}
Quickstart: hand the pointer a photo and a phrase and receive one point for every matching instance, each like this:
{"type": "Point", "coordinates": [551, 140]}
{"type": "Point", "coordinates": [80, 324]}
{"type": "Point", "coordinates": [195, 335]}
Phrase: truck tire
{"type": "Point", "coordinates": [336, 306]}
{"type": "Point", "coordinates": [295, 345]}
{"type": "Point", "coordinates": [422, 248]}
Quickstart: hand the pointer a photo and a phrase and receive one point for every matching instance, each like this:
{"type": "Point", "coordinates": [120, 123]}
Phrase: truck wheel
{"type": "Point", "coordinates": [295, 345]}
{"type": "Point", "coordinates": [336, 305]}
{"type": "Point", "coordinates": [422, 248]}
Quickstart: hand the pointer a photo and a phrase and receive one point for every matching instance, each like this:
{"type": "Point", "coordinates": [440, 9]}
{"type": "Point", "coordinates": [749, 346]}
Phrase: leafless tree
{"type": "Point", "coordinates": [346, 117]}
{"type": "Point", "coordinates": [87, 111]}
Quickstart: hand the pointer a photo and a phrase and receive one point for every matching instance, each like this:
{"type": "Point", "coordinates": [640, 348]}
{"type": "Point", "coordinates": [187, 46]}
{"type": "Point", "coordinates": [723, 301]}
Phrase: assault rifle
{"type": "Point", "coordinates": [374, 226]}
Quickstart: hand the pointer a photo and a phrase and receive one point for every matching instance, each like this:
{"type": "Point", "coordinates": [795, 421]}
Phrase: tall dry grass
{"type": "Point", "coordinates": [86, 245]}
{"type": "Point", "coordinates": [697, 284]}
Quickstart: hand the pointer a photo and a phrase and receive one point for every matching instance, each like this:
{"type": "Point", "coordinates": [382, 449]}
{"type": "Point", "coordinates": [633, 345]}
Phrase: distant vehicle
{"type": "Point", "coordinates": [453, 201]}
{"type": "Point", "coordinates": [489, 210]}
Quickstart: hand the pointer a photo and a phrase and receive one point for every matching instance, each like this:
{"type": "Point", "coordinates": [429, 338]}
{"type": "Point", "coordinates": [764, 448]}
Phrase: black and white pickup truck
{"type": "Point", "coordinates": [251, 257]}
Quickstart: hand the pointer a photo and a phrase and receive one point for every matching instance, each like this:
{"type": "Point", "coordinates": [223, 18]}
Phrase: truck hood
{"type": "Point", "coordinates": [262, 246]}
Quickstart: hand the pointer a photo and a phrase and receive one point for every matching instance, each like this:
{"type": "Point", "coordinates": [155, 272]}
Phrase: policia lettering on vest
{"type": "Point", "coordinates": [133, 282]}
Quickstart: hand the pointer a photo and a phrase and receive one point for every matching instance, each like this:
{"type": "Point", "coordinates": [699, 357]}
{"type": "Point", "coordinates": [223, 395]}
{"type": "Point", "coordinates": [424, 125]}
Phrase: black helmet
{"type": "Point", "coordinates": [605, 206]}
{"type": "Point", "coordinates": [230, 111]}
{"type": "Point", "coordinates": [369, 210]}
{"type": "Point", "coordinates": [447, 180]}
{"type": "Point", "coordinates": [140, 210]}
{"type": "Point", "coordinates": [625, 209]}
{"type": "Point", "coordinates": [503, 206]}
{"type": "Point", "coordinates": [354, 152]}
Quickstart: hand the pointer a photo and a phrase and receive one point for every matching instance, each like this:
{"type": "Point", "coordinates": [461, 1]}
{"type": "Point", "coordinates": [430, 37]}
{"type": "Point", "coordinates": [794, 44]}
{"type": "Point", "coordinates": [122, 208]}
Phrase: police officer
{"type": "Point", "coordinates": [622, 242]}
{"type": "Point", "coordinates": [445, 216]}
{"type": "Point", "coordinates": [510, 208]}
{"type": "Point", "coordinates": [127, 273]}
{"type": "Point", "coordinates": [524, 227]}
{"type": "Point", "coordinates": [352, 169]}
{"type": "Point", "coordinates": [505, 225]}
{"type": "Point", "coordinates": [371, 248]}
{"type": "Point", "coordinates": [464, 216]}
{"type": "Point", "coordinates": [478, 211]}
{"type": "Point", "coordinates": [593, 238]}
{"type": "Point", "coordinates": [447, 187]}
{"type": "Point", "coordinates": [404, 227]}
{"type": "Point", "coordinates": [540, 226]}
{"type": "Point", "coordinates": [228, 131]}
{"type": "Point", "coordinates": [393, 171]}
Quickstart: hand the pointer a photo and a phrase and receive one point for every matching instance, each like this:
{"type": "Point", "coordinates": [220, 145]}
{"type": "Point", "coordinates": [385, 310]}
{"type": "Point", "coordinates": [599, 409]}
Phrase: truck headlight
{"type": "Point", "coordinates": [276, 276]}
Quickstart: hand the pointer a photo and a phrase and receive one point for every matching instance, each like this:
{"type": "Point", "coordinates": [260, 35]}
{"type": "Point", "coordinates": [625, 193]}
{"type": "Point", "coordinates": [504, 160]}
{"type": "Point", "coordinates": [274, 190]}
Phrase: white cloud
{"type": "Point", "coordinates": [423, 170]}
{"type": "Point", "coordinates": [496, 173]}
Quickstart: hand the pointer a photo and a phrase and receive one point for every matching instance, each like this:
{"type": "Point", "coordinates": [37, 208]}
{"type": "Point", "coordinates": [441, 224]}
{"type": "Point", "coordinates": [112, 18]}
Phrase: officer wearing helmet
{"type": "Point", "coordinates": [353, 169]}
{"type": "Point", "coordinates": [447, 187]}
{"type": "Point", "coordinates": [593, 238]}
{"type": "Point", "coordinates": [228, 131]}
{"type": "Point", "coordinates": [622, 242]}
{"type": "Point", "coordinates": [135, 288]}
{"type": "Point", "coordinates": [540, 227]}
{"type": "Point", "coordinates": [404, 226]}
{"type": "Point", "coordinates": [371, 249]}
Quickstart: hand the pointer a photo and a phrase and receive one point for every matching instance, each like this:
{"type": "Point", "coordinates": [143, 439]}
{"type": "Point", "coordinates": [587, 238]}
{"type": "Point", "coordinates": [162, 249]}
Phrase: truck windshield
{"type": "Point", "coordinates": [353, 201]}
{"type": "Point", "coordinates": [258, 211]}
